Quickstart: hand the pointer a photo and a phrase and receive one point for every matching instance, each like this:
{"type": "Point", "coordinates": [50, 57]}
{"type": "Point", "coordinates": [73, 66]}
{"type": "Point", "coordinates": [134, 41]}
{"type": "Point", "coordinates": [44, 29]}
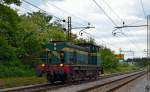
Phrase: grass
{"type": "Point", "coordinates": [15, 69]}
{"type": "Point", "coordinates": [14, 74]}
{"type": "Point", "coordinates": [21, 81]}
{"type": "Point", "coordinates": [122, 67]}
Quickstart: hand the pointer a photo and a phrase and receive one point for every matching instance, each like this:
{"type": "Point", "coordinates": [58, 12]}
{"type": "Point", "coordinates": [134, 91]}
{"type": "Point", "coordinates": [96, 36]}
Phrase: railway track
{"type": "Point", "coordinates": [112, 85]}
{"type": "Point", "coordinates": [48, 87]}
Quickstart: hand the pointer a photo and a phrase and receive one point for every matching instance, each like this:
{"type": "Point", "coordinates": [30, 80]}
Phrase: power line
{"type": "Point", "coordinates": [104, 12]}
{"type": "Point", "coordinates": [46, 11]}
{"type": "Point", "coordinates": [143, 8]}
{"type": "Point", "coordinates": [131, 41]}
{"type": "Point", "coordinates": [113, 10]}
{"type": "Point", "coordinates": [110, 18]}
{"type": "Point", "coordinates": [120, 17]}
{"type": "Point", "coordinates": [105, 43]}
{"type": "Point", "coordinates": [40, 9]}
{"type": "Point", "coordinates": [67, 12]}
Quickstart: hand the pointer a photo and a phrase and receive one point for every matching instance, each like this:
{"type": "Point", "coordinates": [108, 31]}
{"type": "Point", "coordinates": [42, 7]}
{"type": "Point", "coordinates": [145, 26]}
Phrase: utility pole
{"type": "Point", "coordinates": [69, 25]}
{"type": "Point", "coordinates": [148, 46]}
{"type": "Point", "coordinates": [69, 29]}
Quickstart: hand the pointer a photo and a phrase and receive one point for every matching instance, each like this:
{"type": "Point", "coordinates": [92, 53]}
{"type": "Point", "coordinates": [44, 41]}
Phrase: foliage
{"type": "Point", "coordinates": [108, 59]}
{"type": "Point", "coordinates": [22, 39]}
{"type": "Point", "coordinates": [15, 69]}
{"type": "Point", "coordinates": [125, 67]}
{"type": "Point", "coordinates": [6, 51]}
{"type": "Point", "coordinates": [21, 81]}
{"type": "Point", "coordinates": [111, 64]}
{"type": "Point", "coordinates": [141, 62]}
{"type": "Point", "coordinates": [17, 2]}
{"type": "Point", "coordinates": [8, 27]}
{"type": "Point", "coordinates": [81, 40]}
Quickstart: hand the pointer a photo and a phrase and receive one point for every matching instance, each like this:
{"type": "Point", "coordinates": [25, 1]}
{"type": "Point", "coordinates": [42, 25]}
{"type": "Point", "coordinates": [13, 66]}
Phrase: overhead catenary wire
{"type": "Point", "coordinates": [113, 22]}
{"type": "Point", "coordinates": [40, 9]}
{"type": "Point", "coordinates": [99, 6]}
{"type": "Point", "coordinates": [48, 12]}
{"type": "Point", "coordinates": [105, 13]}
{"type": "Point", "coordinates": [119, 16]}
{"type": "Point", "coordinates": [133, 42]}
{"type": "Point", "coordinates": [143, 9]}
{"type": "Point", "coordinates": [104, 42]}
{"type": "Point", "coordinates": [113, 11]}
{"type": "Point", "coordinates": [67, 12]}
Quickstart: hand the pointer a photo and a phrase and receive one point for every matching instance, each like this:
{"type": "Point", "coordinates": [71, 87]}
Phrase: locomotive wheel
{"type": "Point", "coordinates": [50, 78]}
{"type": "Point", "coordinates": [63, 78]}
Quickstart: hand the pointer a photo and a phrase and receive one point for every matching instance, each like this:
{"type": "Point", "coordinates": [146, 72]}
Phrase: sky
{"type": "Point", "coordinates": [84, 11]}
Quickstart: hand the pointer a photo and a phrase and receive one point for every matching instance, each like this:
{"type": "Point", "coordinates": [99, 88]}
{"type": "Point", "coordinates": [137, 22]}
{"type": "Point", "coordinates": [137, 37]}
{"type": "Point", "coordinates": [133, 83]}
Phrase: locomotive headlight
{"type": "Point", "coordinates": [43, 65]}
{"type": "Point", "coordinates": [61, 65]}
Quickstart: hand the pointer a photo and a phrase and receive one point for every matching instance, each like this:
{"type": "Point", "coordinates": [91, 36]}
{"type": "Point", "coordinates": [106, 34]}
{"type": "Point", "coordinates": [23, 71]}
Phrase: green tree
{"type": "Point", "coordinates": [17, 2]}
{"type": "Point", "coordinates": [8, 29]}
{"type": "Point", "coordinates": [108, 59]}
{"type": "Point", "coordinates": [35, 30]}
{"type": "Point", "coordinates": [7, 52]}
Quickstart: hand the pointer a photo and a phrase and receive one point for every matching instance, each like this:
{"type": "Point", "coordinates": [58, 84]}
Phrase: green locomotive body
{"type": "Point", "coordinates": [69, 62]}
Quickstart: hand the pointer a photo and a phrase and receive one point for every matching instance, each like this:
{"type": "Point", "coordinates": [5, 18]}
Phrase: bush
{"type": "Point", "coordinates": [15, 69]}
{"type": "Point", "coordinates": [124, 67]}
{"type": "Point", "coordinates": [121, 67]}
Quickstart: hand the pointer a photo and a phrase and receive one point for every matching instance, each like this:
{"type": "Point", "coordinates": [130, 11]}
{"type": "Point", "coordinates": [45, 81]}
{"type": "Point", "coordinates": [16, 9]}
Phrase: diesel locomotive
{"type": "Point", "coordinates": [68, 62]}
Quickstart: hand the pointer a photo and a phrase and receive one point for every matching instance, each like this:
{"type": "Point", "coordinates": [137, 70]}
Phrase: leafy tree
{"type": "Point", "coordinates": [17, 2]}
{"type": "Point", "coordinates": [35, 30]}
{"type": "Point", "coordinates": [8, 29]}
{"type": "Point", "coordinates": [108, 59]}
{"type": "Point", "coordinates": [7, 52]}
{"type": "Point", "coordinates": [141, 62]}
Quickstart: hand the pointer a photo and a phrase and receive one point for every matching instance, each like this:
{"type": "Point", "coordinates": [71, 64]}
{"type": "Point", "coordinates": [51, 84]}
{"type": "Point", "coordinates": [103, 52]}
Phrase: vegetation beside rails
{"type": "Point", "coordinates": [111, 65]}
{"type": "Point", "coordinates": [14, 73]}
{"type": "Point", "coordinates": [15, 69]}
{"type": "Point", "coordinates": [122, 67]}
{"type": "Point", "coordinates": [20, 81]}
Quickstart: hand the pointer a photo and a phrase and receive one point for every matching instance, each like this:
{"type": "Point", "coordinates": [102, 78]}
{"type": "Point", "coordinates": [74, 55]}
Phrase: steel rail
{"type": "Point", "coordinates": [48, 86]}
{"type": "Point", "coordinates": [112, 85]}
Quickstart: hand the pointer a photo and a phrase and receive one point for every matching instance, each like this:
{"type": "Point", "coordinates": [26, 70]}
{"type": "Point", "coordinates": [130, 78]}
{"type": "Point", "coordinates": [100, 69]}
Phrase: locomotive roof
{"type": "Point", "coordinates": [89, 45]}
{"type": "Point", "coordinates": [69, 44]}
{"type": "Point", "coordinates": [77, 47]}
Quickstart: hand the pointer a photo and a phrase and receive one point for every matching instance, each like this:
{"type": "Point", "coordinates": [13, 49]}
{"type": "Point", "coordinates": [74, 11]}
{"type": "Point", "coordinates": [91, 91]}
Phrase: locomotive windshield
{"type": "Point", "coordinates": [55, 57]}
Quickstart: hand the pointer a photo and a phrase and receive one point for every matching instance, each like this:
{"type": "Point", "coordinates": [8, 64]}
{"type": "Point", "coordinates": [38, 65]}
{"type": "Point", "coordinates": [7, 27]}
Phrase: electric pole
{"type": "Point", "coordinates": [148, 46]}
{"type": "Point", "coordinates": [69, 25]}
{"type": "Point", "coordinates": [69, 29]}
